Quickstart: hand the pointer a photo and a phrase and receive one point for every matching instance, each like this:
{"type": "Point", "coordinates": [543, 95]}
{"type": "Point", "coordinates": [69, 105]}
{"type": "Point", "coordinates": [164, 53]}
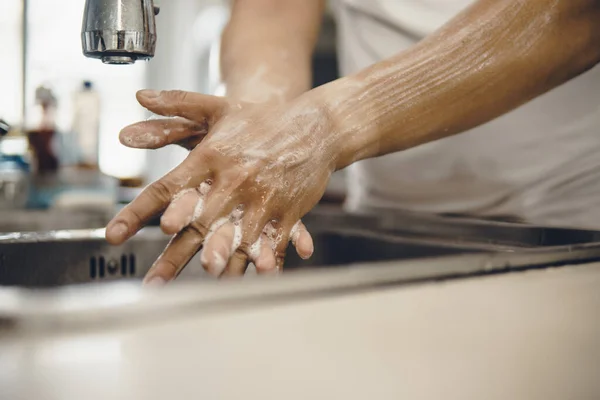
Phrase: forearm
{"type": "Point", "coordinates": [489, 60]}
{"type": "Point", "coordinates": [267, 48]}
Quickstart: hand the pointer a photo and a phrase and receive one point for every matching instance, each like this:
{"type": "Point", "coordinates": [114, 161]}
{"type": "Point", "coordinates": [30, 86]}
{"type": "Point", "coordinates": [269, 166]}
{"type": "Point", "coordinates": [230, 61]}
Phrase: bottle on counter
{"type": "Point", "coordinates": [86, 125]}
{"type": "Point", "coordinates": [42, 134]}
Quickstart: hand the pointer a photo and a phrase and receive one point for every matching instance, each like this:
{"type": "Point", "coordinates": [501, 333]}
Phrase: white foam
{"type": "Point", "coordinates": [204, 188]}
{"type": "Point", "coordinates": [237, 237]}
{"type": "Point", "coordinates": [198, 209]}
{"type": "Point", "coordinates": [295, 232]}
{"type": "Point", "coordinates": [237, 213]}
{"type": "Point", "coordinates": [257, 89]}
{"type": "Point", "coordinates": [275, 235]}
{"type": "Point", "coordinates": [145, 139]}
{"type": "Point", "coordinates": [183, 181]}
{"type": "Point", "coordinates": [215, 227]}
{"type": "Point", "coordinates": [180, 194]}
{"type": "Point", "coordinates": [255, 249]}
{"type": "Point", "coordinates": [156, 116]}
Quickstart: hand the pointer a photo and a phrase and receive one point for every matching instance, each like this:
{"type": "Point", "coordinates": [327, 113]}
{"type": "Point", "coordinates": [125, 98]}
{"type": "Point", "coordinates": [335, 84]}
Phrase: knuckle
{"type": "Point", "coordinates": [199, 228]}
{"type": "Point", "coordinates": [240, 256]}
{"type": "Point", "coordinates": [174, 95]}
{"type": "Point", "coordinates": [167, 268]}
{"type": "Point", "coordinates": [135, 215]}
{"type": "Point", "coordinates": [161, 190]}
{"type": "Point", "coordinates": [246, 245]}
{"type": "Point", "coordinates": [183, 96]}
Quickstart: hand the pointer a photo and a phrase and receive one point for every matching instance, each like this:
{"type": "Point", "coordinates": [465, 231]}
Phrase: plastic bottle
{"type": "Point", "coordinates": [86, 124]}
{"type": "Point", "coordinates": [42, 136]}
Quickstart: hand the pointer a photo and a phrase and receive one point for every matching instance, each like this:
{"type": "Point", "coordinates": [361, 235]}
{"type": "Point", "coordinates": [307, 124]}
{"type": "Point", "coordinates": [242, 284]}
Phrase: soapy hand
{"type": "Point", "coordinates": [253, 171]}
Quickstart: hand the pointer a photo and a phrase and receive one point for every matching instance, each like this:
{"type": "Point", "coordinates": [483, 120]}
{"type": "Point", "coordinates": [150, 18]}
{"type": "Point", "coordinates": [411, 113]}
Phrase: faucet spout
{"type": "Point", "coordinates": [119, 31]}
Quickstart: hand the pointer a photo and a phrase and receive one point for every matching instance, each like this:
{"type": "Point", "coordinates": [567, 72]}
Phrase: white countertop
{"type": "Point", "coordinates": [529, 335]}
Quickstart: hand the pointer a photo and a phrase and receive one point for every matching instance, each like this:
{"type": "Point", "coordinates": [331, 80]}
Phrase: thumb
{"type": "Point", "coordinates": [193, 106]}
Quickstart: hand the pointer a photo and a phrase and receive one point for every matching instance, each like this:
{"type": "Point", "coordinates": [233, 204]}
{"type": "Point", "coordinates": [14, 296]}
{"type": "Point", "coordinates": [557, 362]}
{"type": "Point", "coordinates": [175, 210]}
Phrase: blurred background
{"type": "Point", "coordinates": [46, 84]}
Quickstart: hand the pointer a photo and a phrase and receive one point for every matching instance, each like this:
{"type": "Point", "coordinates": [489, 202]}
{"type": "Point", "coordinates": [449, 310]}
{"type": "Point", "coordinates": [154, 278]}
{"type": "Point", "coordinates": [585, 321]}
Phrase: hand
{"type": "Point", "coordinates": [234, 194]}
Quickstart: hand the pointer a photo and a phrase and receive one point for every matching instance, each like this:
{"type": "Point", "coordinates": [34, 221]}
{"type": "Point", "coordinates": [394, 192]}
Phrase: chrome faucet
{"type": "Point", "coordinates": [119, 31]}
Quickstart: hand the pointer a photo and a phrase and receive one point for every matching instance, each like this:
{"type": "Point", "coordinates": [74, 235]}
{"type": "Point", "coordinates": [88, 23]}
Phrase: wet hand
{"type": "Point", "coordinates": [252, 172]}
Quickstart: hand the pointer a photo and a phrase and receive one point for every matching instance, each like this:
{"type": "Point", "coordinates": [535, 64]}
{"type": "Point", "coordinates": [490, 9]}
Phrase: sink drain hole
{"type": "Point", "coordinates": [93, 269]}
{"type": "Point", "coordinates": [101, 267]}
{"type": "Point", "coordinates": [123, 265]}
{"type": "Point", "coordinates": [132, 265]}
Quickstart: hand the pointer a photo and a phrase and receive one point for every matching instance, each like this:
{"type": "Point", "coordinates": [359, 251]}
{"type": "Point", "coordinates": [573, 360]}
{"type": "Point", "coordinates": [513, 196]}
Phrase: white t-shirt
{"type": "Point", "coordinates": [540, 162]}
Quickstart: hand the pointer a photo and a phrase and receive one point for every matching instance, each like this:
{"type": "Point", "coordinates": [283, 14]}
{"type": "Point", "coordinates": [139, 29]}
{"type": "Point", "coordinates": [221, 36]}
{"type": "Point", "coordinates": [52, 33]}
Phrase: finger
{"type": "Point", "coordinates": [279, 235]}
{"type": "Point", "coordinates": [154, 199]}
{"type": "Point", "coordinates": [159, 133]}
{"type": "Point", "coordinates": [247, 243]}
{"type": "Point", "coordinates": [174, 258]}
{"type": "Point", "coordinates": [237, 265]}
{"type": "Point", "coordinates": [186, 206]}
{"type": "Point", "coordinates": [193, 106]}
{"type": "Point", "coordinates": [218, 249]}
{"type": "Point", "coordinates": [265, 262]}
{"type": "Point", "coordinates": [180, 212]}
{"type": "Point", "coordinates": [186, 243]}
{"type": "Point", "coordinates": [302, 241]}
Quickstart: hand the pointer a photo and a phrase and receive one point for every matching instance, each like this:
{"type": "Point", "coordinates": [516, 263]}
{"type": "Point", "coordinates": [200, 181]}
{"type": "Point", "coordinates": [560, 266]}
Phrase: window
{"type": "Point", "coordinates": [55, 58]}
{"type": "Point", "coordinates": [11, 12]}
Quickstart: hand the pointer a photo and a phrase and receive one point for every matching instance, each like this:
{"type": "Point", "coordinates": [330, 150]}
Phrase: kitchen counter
{"type": "Point", "coordinates": [391, 306]}
{"type": "Point", "coordinates": [528, 335]}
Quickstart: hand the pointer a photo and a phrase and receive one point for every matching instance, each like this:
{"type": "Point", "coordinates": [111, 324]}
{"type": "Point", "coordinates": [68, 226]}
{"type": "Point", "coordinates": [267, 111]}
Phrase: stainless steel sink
{"type": "Point", "coordinates": [67, 257]}
{"type": "Point", "coordinates": [51, 220]}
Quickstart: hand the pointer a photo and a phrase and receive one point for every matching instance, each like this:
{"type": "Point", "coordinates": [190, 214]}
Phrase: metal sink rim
{"type": "Point", "coordinates": [85, 306]}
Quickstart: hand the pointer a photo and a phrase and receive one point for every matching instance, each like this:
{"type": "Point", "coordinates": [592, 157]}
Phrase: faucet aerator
{"type": "Point", "coordinates": [119, 31]}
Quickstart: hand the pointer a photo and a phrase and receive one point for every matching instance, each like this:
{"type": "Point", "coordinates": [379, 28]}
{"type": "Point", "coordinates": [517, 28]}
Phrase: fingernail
{"type": "Point", "coordinates": [149, 94]}
{"type": "Point", "coordinates": [156, 281]}
{"type": "Point", "coordinates": [119, 231]}
{"type": "Point", "coordinates": [308, 255]}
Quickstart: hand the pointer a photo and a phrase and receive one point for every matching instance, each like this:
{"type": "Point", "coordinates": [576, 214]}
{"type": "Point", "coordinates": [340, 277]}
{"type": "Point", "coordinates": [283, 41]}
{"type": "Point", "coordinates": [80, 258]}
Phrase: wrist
{"type": "Point", "coordinates": [354, 139]}
{"type": "Point", "coordinates": [266, 75]}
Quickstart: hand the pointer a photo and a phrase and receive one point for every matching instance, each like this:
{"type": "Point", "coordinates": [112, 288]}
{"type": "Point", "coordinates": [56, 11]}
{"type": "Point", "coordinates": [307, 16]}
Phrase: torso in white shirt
{"type": "Point", "coordinates": [540, 162]}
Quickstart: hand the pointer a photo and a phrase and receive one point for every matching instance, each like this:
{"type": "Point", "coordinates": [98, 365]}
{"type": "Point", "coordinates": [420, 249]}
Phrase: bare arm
{"type": "Point", "coordinates": [267, 48]}
{"type": "Point", "coordinates": [271, 164]}
{"type": "Point", "coordinates": [490, 59]}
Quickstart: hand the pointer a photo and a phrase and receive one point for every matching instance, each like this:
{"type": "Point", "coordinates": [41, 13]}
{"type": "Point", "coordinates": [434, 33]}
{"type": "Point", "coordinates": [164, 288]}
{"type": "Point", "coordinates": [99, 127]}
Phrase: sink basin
{"type": "Point", "coordinates": [68, 257]}
{"type": "Point", "coordinates": [471, 230]}
{"type": "Point", "coordinates": [81, 256]}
